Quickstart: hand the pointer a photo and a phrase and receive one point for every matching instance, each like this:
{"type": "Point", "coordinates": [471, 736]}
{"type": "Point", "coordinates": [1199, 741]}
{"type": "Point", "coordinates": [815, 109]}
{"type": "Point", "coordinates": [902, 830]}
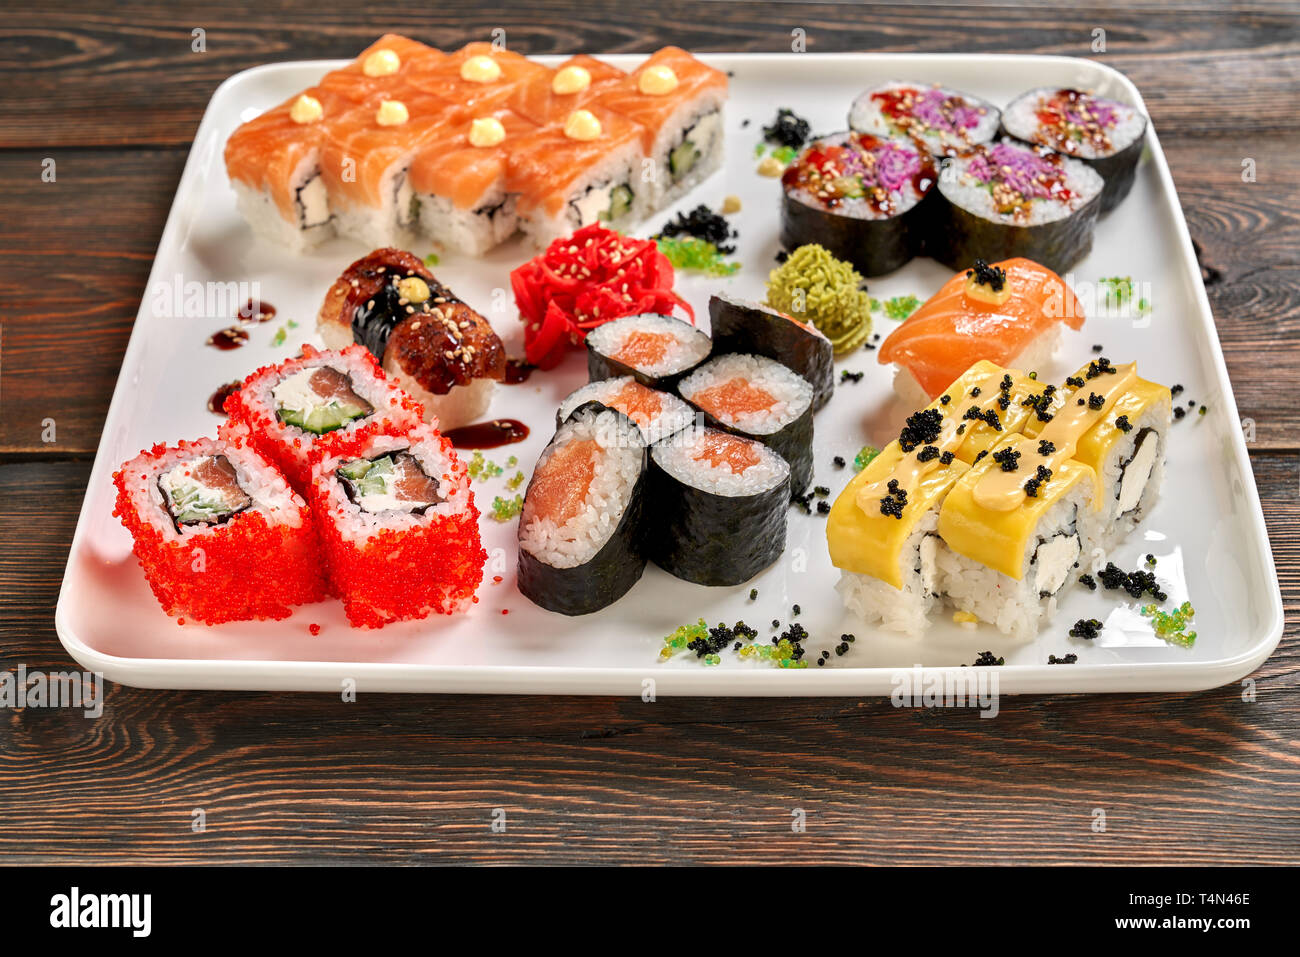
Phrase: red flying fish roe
{"type": "Point", "coordinates": [248, 568]}
{"type": "Point", "coordinates": [283, 444]}
{"type": "Point", "coordinates": [584, 281]}
{"type": "Point", "coordinates": [396, 575]}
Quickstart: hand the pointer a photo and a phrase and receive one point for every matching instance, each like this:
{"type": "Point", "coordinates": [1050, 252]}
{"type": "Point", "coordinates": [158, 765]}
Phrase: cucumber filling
{"type": "Point", "coordinates": [203, 491]}
{"type": "Point", "coordinates": [391, 482]}
{"type": "Point", "coordinates": [319, 400]}
{"type": "Point", "coordinates": [620, 202]}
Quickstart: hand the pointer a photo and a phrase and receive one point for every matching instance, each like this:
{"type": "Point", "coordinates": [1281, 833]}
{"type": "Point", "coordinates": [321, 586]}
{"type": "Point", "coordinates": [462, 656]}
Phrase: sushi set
{"type": "Point", "coordinates": [537, 419]}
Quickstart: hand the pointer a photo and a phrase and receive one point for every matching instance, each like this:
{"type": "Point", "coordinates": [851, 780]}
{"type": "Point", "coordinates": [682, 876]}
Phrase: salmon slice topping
{"type": "Point", "coordinates": [643, 348]}
{"type": "Point", "coordinates": [559, 489]}
{"type": "Point", "coordinates": [638, 403]}
{"type": "Point", "coordinates": [733, 398]}
{"type": "Point", "coordinates": [718, 448]}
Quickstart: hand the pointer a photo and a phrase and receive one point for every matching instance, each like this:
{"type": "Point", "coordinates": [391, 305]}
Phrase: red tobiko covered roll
{"type": "Point", "coordinates": [398, 526]}
{"type": "Point", "coordinates": [315, 402]}
{"type": "Point", "coordinates": [218, 532]}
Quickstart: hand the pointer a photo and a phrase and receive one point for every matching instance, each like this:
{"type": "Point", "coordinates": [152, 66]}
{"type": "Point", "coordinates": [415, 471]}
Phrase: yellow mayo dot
{"type": "Point", "coordinates": [582, 125]}
{"type": "Point", "coordinates": [413, 289]}
{"type": "Point", "coordinates": [306, 109]}
{"type": "Point", "coordinates": [730, 205]}
{"type": "Point", "coordinates": [981, 293]}
{"type": "Point", "coordinates": [657, 80]}
{"type": "Point", "coordinates": [480, 69]}
{"type": "Point", "coordinates": [770, 166]}
{"type": "Point", "coordinates": [392, 113]}
{"type": "Point", "coordinates": [381, 63]}
{"type": "Point", "coordinates": [486, 131]}
{"type": "Point", "coordinates": [572, 79]}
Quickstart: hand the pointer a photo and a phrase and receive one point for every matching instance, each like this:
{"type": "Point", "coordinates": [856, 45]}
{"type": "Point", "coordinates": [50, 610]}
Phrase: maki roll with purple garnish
{"type": "Point", "coordinates": [945, 122]}
{"type": "Point", "coordinates": [738, 325]}
{"type": "Point", "coordinates": [1007, 200]}
{"type": "Point", "coordinates": [863, 198]}
{"type": "Point", "coordinates": [1105, 134]}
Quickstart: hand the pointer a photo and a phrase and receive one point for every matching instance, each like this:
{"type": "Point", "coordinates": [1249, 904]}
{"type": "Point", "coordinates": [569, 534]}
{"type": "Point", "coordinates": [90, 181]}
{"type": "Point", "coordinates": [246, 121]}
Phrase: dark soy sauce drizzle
{"type": "Point", "coordinates": [517, 371]}
{"type": "Point", "coordinates": [217, 400]}
{"type": "Point", "coordinates": [229, 338]}
{"type": "Point", "coordinates": [256, 311]}
{"type": "Point", "coordinates": [488, 435]}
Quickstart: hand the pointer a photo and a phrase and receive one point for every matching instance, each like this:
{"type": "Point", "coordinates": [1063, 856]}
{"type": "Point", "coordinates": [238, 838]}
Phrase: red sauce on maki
{"type": "Point", "coordinates": [488, 435]}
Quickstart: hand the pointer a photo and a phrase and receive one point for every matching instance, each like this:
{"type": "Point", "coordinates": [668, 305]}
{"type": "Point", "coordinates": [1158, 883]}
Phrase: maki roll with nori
{"type": "Point", "coordinates": [218, 531]}
{"type": "Point", "coordinates": [1008, 200]}
{"type": "Point", "coordinates": [944, 121]}
{"type": "Point", "coordinates": [580, 532]}
{"type": "Point", "coordinates": [398, 526]}
{"type": "Point", "coordinates": [719, 503]}
{"type": "Point", "coordinates": [760, 399]}
{"type": "Point", "coordinates": [1105, 134]}
{"type": "Point", "coordinates": [738, 325]}
{"type": "Point", "coordinates": [315, 401]}
{"type": "Point", "coordinates": [657, 414]}
{"type": "Point", "coordinates": [656, 350]}
{"type": "Point", "coordinates": [864, 198]}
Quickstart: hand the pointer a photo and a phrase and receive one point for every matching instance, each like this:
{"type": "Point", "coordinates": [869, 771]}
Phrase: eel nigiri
{"type": "Point", "coordinates": [1007, 313]}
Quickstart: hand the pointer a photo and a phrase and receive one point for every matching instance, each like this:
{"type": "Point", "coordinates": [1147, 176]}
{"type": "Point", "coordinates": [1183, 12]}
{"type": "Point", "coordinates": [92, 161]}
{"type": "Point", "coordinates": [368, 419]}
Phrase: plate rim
{"type": "Point", "coordinates": [298, 675]}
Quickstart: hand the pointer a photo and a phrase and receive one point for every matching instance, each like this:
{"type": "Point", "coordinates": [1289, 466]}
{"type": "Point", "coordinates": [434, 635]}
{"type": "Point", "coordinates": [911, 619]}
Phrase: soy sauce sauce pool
{"type": "Point", "coordinates": [488, 435]}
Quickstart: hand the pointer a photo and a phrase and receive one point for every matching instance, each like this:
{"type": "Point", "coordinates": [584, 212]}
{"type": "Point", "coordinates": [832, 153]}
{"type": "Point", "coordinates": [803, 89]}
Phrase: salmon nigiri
{"type": "Point", "coordinates": [1006, 313]}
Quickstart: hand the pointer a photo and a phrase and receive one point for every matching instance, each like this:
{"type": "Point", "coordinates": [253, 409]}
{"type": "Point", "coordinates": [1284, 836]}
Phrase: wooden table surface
{"type": "Point", "coordinates": [113, 92]}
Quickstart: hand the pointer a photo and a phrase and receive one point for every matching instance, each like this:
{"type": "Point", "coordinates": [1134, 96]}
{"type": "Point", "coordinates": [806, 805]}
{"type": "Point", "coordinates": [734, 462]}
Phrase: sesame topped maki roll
{"type": "Point", "coordinates": [738, 325]}
{"type": "Point", "coordinates": [761, 399]}
{"type": "Point", "coordinates": [656, 350]}
{"type": "Point", "coordinates": [1105, 134]}
{"type": "Point", "coordinates": [862, 197]}
{"type": "Point", "coordinates": [657, 414]}
{"type": "Point", "coordinates": [580, 532]}
{"type": "Point", "coordinates": [398, 526]}
{"type": "Point", "coordinates": [944, 121]}
{"type": "Point", "coordinates": [430, 343]}
{"type": "Point", "coordinates": [1008, 200]}
{"type": "Point", "coordinates": [218, 531]}
{"type": "Point", "coordinates": [313, 401]}
{"type": "Point", "coordinates": [719, 503]}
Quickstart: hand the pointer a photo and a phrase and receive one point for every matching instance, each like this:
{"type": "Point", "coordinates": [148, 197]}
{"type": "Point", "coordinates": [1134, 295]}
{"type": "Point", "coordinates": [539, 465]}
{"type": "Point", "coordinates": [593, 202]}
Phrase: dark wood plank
{"type": "Point", "coordinates": [103, 67]}
{"type": "Point", "coordinates": [1196, 778]}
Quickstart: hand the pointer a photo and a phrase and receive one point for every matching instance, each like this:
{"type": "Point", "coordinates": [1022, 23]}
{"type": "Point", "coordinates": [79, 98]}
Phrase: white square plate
{"type": "Point", "coordinates": [1207, 532]}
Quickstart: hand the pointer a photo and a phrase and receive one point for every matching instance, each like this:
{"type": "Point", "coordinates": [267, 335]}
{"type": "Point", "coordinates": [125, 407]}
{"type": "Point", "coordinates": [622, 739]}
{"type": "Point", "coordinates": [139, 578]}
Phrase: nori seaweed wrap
{"type": "Point", "coordinates": [1105, 134]}
{"type": "Point", "coordinates": [739, 325]}
{"type": "Point", "coordinates": [865, 199]}
{"type": "Point", "coordinates": [761, 399]}
{"type": "Point", "coordinates": [565, 565]}
{"type": "Point", "coordinates": [719, 504]}
{"type": "Point", "coordinates": [656, 350]}
{"type": "Point", "coordinates": [1008, 200]}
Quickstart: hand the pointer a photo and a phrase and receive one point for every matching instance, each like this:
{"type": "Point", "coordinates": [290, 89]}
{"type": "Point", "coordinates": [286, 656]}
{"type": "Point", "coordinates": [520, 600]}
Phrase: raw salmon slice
{"type": "Point", "coordinates": [643, 348]}
{"type": "Point", "coordinates": [352, 82]}
{"type": "Point", "coordinates": [718, 447]}
{"type": "Point", "coordinates": [453, 168]}
{"type": "Point", "coordinates": [638, 403]}
{"type": "Point", "coordinates": [443, 78]}
{"type": "Point", "coordinates": [558, 491]}
{"type": "Point", "coordinates": [651, 111]}
{"type": "Point", "coordinates": [951, 331]}
{"type": "Point", "coordinates": [733, 398]}
{"type": "Point", "coordinates": [536, 100]}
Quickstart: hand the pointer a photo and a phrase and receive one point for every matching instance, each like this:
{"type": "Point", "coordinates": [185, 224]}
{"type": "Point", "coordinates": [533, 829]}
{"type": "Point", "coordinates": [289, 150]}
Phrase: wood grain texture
{"type": "Point", "coordinates": [1199, 778]}
{"type": "Point", "coordinates": [1196, 778]}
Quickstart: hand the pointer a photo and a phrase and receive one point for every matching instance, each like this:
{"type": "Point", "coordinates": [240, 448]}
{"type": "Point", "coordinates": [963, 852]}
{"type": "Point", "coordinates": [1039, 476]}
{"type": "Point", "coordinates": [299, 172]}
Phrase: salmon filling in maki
{"type": "Point", "coordinates": [657, 350]}
{"type": "Point", "coordinates": [392, 482]}
{"type": "Point", "coordinates": [319, 400]}
{"type": "Point", "coordinates": [657, 414]}
{"type": "Point", "coordinates": [205, 491]}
